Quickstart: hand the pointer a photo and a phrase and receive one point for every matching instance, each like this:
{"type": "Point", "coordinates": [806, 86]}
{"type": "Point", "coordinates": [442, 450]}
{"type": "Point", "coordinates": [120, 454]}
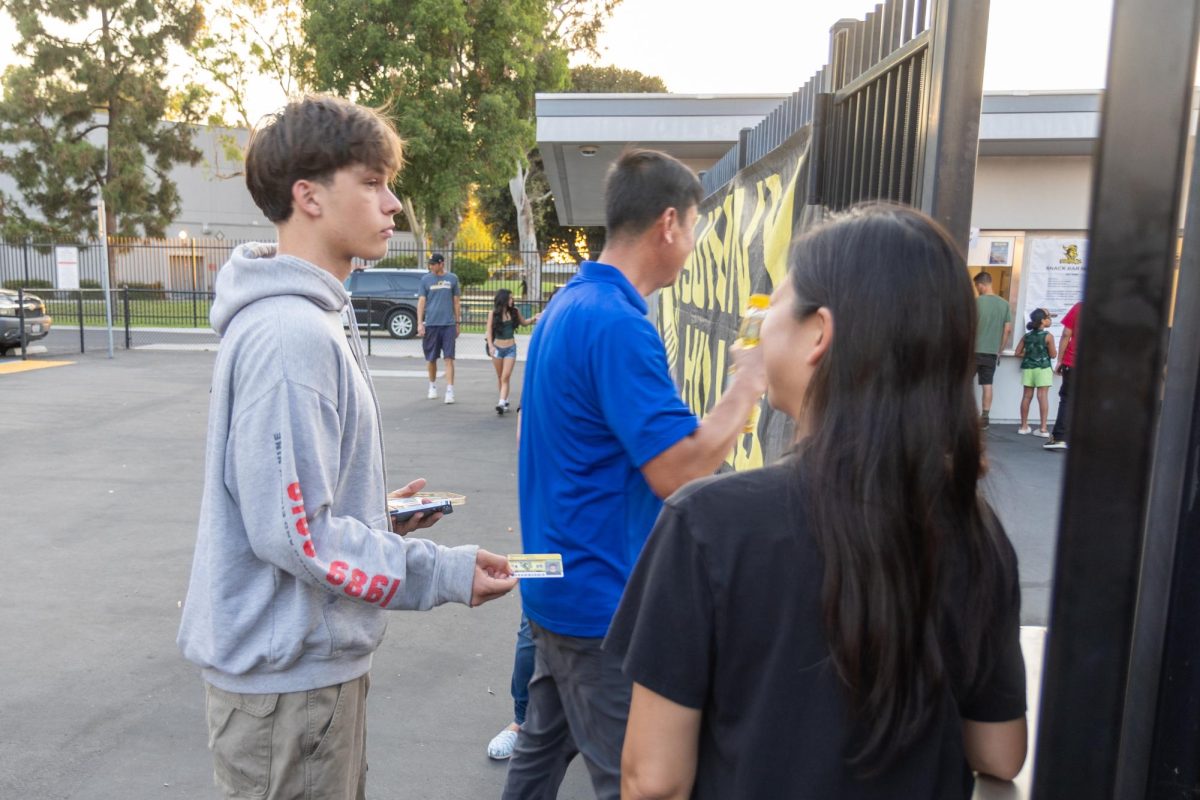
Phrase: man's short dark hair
{"type": "Point", "coordinates": [310, 139]}
{"type": "Point", "coordinates": [641, 185]}
{"type": "Point", "coordinates": [984, 279]}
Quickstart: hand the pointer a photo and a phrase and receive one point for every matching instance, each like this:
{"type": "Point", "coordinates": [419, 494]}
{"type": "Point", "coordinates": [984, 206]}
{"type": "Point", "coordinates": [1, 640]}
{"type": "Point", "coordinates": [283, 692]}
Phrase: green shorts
{"type": "Point", "coordinates": [1039, 377]}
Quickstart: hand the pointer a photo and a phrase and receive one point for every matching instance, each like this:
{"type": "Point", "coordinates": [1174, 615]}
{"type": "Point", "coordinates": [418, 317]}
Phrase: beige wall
{"type": "Point", "coordinates": [1032, 192]}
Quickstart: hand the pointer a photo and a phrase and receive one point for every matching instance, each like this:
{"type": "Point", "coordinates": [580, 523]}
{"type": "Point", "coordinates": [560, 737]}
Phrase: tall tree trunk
{"type": "Point", "coordinates": [416, 226]}
{"type": "Point", "coordinates": [531, 262]}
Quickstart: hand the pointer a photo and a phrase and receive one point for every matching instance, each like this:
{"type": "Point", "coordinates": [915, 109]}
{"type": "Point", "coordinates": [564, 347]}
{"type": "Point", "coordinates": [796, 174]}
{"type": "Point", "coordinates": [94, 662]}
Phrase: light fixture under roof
{"type": "Point", "coordinates": [588, 150]}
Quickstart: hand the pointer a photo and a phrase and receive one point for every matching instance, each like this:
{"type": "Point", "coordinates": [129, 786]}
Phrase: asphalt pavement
{"type": "Point", "coordinates": [103, 462]}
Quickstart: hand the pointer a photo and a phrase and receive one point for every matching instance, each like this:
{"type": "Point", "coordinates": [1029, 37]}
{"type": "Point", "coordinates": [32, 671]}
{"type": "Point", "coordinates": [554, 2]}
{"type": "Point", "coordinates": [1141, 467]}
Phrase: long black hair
{"type": "Point", "coordinates": [891, 469]}
{"type": "Point", "coordinates": [502, 309]}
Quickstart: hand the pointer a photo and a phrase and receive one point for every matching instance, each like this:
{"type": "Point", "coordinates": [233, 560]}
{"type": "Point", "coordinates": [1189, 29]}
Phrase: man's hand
{"type": "Point", "coordinates": [492, 578]}
{"type": "Point", "coordinates": [420, 329]}
{"type": "Point", "coordinates": [457, 329]}
{"type": "Point", "coordinates": [748, 367]}
{"type": "Point", "coordinates": [418, 520]}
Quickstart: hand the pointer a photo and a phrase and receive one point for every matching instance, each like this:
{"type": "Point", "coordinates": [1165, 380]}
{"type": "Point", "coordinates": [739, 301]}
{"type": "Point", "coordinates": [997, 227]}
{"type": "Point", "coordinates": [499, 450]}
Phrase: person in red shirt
{"type": "Point", "coordinates": [1066, 366]}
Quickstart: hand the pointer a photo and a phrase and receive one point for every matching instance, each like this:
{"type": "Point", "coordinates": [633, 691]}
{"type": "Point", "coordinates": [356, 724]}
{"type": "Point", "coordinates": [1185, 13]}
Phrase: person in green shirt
{"type": "Point", "coordinates": [995, 326]}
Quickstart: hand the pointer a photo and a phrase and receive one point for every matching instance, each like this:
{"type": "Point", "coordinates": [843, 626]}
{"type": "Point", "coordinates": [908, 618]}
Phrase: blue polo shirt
{"type": "Point", "coordinates": [597, 404]}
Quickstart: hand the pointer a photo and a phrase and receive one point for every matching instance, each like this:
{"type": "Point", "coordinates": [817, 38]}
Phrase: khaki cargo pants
{"type": "Point", "coordinates": [289, 746]}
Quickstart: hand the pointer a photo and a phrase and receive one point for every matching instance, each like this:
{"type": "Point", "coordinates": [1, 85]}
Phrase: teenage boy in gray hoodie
{"type": "Point", "coordinates": [296, 559]}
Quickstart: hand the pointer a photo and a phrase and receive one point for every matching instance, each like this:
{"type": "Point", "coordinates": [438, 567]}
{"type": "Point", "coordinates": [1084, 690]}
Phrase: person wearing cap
{"type": "Point", "coordinates": [439, 313]}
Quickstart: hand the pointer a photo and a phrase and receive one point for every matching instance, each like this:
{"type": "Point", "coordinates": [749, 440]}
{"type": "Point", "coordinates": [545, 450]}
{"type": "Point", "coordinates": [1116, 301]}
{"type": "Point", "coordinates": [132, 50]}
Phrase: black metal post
{"type": "Point", "coordinates": [1114, 408]}
{"type": "Point", "coordinates": [125, 313]}
{"type": "Point", "coordinates": [816, 150]}
{"type": "Point", "coordinates": [195, 298]}
{"type": "Point", "coordinates": [25, 256]}
{"type": "Point", "coordinates": [955, 95]}
{"type": "Point", "coordinates": [21, 322]}
{"type": "Point", "coordinates": [79, 311]}
{"type": "Point", "coordinates": [743, 148]}
{"type": "Point", "coordinates": [370, 321]}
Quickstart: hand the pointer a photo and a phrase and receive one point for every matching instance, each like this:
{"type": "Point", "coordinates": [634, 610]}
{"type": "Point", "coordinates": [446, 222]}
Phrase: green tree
{"type": "Point", "coordinates": [243, 46]}
{"type": "Point", "coordinates": [93, 80]}
{"type": "Point", "coordinates": [592, 80]}
{"type": "Point", "coordinates": [578, 241]}
{"type": "Point", "coordinates": [458, 78]}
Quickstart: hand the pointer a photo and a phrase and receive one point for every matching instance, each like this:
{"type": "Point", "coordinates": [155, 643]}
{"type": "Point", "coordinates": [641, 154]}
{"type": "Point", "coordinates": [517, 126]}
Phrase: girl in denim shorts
{"type": "Point", "coordinates": [502, 323]}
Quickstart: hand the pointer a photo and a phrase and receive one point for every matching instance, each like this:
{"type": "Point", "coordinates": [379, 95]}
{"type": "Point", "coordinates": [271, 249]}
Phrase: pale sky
{"type": "Point", "coordinates": [756, 46]}
{"type": "Point", "coordinates": [746, 46]}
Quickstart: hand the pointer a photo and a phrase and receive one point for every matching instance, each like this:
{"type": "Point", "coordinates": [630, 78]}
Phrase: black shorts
{"type": "Point", "coordinates": [439, 341]}
{"type": "Point", "coordinates": [985, 367]}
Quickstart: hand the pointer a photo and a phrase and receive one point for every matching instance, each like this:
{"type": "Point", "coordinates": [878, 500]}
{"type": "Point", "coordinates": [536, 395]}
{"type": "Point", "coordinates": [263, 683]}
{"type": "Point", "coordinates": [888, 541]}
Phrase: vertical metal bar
{"type": "Point", "coordinates": [79, 311]}
{"type": "Point", "coordinates": [125, 311]}
{"type": "Point", "coordinates": [743, 145]}
{"type": "Point", "coordinates": [1159, 751]}
{"type": "Point", "coordinates": [906, 24]}
{"type": "Point", "coordinates": [871, 52]}
{"type": "Point", "coordinates": [887, 142]}
{"type": "Point", "coordinates": [922, 18]}
{"type": "Point", "coordinates": [21, 322]}
{"type": "Point", "coordinates": [895, 13]}
{"type": "Point", "coordinates": [856, 48]}
{"type": "Point", "coordinates": [1115, 402]}
{"type": "Point", "coordinates": [955, 98]}
{"type": "Point", "coordinates": [815, 191]}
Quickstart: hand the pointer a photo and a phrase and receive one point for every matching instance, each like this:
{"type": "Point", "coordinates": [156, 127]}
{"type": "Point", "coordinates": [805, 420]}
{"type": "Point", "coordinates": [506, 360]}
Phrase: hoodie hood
{"type": "Point", "coordinates": [256, 271]}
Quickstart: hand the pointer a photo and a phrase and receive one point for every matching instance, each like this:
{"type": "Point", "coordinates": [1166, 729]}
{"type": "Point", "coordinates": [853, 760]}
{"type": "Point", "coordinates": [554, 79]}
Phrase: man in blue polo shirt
{"type": "Point", "coordinates": [604, 438]}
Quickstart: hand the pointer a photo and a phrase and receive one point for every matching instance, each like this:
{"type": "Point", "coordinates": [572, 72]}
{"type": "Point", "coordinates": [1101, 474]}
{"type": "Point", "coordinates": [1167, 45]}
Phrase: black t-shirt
{"type": "Point", "coordinates": [723, 614]}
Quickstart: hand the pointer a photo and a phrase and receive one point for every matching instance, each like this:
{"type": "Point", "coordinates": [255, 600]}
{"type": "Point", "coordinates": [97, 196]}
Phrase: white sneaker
{"type": "Point", "coordinates": [1024, 431]}
{"type": "Point", "coordinates": [432, 394]}
{"type": "Point", "coordinates": [449, 395]}
{"type": "Point", "coordinates": [502, 744]}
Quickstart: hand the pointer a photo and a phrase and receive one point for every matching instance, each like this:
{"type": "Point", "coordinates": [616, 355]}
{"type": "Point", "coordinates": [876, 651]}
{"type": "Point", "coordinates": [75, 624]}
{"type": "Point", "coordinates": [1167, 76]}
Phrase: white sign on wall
{"type": "Point", "coordinates": [1053, 275]}
{"type": "Point", "coordinates": [66, 265]}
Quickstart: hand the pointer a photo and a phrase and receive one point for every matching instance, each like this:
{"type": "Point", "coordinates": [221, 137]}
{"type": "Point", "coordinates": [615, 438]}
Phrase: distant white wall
{"type": "Point", "coordinates": [1032, 193]}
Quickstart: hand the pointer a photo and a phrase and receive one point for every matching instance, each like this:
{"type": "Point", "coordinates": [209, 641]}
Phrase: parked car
{"type": "Point", "coordinates": [386, 297]}
{"type": "Point", "coordinates": [37, 321]}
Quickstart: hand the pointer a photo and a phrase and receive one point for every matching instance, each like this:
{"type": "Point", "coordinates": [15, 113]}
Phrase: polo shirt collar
{"type": "Point", "coordinates": [604, 273]}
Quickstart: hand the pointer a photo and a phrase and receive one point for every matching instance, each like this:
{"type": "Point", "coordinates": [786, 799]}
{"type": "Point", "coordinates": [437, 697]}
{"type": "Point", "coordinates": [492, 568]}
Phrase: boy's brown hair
{"type": "Point", "coordinates": [310, 139]}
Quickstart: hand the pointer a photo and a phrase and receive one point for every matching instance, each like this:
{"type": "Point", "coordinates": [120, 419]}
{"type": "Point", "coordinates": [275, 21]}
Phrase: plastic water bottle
{"type": "Point", "coordinates": [749, 332]}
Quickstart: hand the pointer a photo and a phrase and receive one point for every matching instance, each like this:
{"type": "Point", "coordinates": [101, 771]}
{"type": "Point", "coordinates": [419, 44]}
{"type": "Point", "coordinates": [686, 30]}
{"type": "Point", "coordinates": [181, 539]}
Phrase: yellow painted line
{"type": "Point", "coordinates": [10, 367]}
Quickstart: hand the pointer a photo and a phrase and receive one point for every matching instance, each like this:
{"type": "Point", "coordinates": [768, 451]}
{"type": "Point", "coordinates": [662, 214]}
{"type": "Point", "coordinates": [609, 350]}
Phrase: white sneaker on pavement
{"type": "Point", "coordinates": [449, 395]}
{"type": "Point", "coordinates": [502, 744]}
{"type": "Point", "coordinates": [432, 394]}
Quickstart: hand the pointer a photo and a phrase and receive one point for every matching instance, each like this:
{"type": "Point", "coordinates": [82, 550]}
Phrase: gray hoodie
{"type": "Point", "coordinates": [295, 561]}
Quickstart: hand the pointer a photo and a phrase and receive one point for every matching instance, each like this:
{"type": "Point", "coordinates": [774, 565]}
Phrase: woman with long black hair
{"type": "Point", "coordinates": [501, 337]}
{"type": "Point", "coordinates": [844, 623]}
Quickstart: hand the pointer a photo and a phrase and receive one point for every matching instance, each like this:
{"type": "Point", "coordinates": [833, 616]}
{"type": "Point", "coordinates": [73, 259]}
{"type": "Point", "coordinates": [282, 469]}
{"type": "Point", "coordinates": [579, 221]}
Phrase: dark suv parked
{"type": "Point", "coordinates": [37, 321]}
{"type": "Point", "coordinates": [387, 298]}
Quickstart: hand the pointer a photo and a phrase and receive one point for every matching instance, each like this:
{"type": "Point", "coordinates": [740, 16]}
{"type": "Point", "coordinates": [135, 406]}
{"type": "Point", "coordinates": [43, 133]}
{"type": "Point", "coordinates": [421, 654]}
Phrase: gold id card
{"type": "Point", "coordinates": [535, 565]}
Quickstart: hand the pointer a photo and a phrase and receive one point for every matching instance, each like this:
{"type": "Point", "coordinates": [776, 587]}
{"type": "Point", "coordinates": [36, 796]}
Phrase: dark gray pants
{"type": "Point", "coordinates": [578, 703]}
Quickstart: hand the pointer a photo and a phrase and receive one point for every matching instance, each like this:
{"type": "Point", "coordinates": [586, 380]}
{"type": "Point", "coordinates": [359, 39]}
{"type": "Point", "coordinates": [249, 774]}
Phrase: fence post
{"type": "Point", "coordinates": [954, 94]}
{"type": "Point", "coordinates": [743, 148]}
{"type": "Point", "coordinates": [125, 313]}
{"type": "Point", "coordinates": [21, 321]}
{"type": "Point", "coordinates": [79, 310]}
{"type": "Point", "coordinates": [195, 312]}
{"type": "Point", "coordinates": [370, 321]}
{"type": "Point", "coordinates": [25, 257]}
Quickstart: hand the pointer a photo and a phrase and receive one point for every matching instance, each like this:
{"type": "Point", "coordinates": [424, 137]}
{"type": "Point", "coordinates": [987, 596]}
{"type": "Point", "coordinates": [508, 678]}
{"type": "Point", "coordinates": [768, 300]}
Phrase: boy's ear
{"type": "Point", "coordinates": [305, 198]}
